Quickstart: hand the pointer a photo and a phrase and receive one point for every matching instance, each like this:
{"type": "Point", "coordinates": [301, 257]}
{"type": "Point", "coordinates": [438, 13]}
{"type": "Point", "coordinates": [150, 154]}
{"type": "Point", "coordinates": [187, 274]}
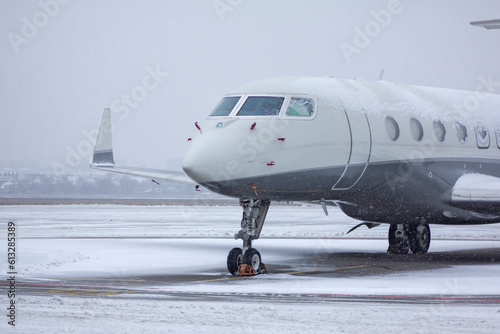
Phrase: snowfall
{"type": "Point", "coordinates": [55, 242]}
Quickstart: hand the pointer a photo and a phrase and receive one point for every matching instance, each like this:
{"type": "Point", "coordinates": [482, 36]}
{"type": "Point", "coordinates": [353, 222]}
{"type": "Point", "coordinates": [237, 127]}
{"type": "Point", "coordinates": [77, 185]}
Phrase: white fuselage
{"type": "Point", "coordinates": [362, 141]}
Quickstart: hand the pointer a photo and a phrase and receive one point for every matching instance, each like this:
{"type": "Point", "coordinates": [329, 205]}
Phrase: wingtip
{"type": "Point", "coordinates": [103, 149]}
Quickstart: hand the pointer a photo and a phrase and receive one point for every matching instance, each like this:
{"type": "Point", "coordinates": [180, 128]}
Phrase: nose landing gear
{"type": "Point", "coordinates": [254, 215]}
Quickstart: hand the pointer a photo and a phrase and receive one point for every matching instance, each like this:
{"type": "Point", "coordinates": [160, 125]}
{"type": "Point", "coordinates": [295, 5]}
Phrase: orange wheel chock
{"type": "Point", "coordinates": [245, 270]}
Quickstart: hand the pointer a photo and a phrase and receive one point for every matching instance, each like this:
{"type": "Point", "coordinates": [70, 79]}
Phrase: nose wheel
{"type": "Point", "coordinates": [248, 259]}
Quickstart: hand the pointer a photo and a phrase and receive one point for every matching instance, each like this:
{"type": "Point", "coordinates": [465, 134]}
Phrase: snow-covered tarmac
{"type": "Point", "coordinates": [148, 269]}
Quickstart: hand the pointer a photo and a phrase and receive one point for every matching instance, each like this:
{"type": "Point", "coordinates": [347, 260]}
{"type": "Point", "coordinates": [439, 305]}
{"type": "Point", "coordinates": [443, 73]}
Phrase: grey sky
{"type": "Point", "coordinates": [64, 61]}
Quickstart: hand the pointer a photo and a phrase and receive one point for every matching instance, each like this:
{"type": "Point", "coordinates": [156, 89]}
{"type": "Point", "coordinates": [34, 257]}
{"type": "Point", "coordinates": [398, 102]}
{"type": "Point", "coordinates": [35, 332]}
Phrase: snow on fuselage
{"type": "Point", "coordinates": [380, 149]}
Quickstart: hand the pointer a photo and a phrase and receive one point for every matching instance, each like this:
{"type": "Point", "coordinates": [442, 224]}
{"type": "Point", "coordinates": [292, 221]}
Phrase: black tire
{"type": "Point", "coordinates": [419, 237]}
{"type": "Point", "coordinates": [234, 259]}
{"type": "Point", "coordinates": [396, 245]}
{"type": "Point", "coordinates": [253, 259]}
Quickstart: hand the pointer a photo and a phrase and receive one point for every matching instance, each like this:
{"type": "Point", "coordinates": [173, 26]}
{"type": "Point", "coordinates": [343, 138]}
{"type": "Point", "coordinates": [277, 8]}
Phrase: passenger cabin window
{"type": "Point", "coordinates": [482, 136]}
{"type": "Point", "coordinates": [392, 128]}
{"type": "Point", "coordinates": [439, 131]}
{"type": "Point", "coordinates": [497, 133]}
{"type": "Point", "coordinates": [225, 106]}
{"type": "Point", "coordinates": [261, 106]}
{"type": "Point", "coordinates": [417, 131]}
{"type": "Point", "coordinates": [300, 106]}
{"type": "Point", "coordinates": [461, 133]}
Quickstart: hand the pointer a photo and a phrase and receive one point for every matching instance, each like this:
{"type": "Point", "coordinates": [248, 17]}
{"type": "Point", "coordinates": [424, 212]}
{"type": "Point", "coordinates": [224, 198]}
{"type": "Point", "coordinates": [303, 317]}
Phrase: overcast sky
{"type": "Point", "coordinates": [163, 65]}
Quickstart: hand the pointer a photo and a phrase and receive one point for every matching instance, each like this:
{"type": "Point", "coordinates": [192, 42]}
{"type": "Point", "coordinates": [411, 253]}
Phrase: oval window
{"type": "Point", "coordinates": [497, 133]}
{"type": "Point", "coordinates": [439, 131]}
{"type": "Point", "coordinates": [482, 136]}
{"type": "Point", "coordinates": [392, 128]}
{"type": "Point", "coordinates": [417, 131]}
{"type": "Point", "coordinates": [461, 133]}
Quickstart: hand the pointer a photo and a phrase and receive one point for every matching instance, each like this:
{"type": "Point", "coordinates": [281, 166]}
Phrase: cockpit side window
{"type": "Point", "coordinates": [225, 106]}
{"type": "Point", "coordinates": [261, 106]}
{"type": "Point", "coordinates": [300, 106]}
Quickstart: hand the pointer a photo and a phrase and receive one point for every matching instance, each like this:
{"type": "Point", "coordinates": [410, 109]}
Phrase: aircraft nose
{"type": "Point", "coordinates": [224, 152]}
{"type": "Point", "coordinates": [188, 166]}
{"type": "Point", "coordinates": [212, 155]}
{"type": "Point", "coordinates": [200, 160]}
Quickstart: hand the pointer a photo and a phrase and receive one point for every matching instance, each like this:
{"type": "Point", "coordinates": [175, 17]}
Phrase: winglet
{"type": "Point", "coordinates": [102, 158]}
{"type": "Point", "coordinates": [103, 149]}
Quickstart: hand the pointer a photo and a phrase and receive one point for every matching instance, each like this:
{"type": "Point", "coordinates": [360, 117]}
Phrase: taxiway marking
{"type": "Point", "coordinates": [55, 291]}
{"type": "Point", "coordinates": [78, 292]}
{"type": "Point", "coordinates": [98, 279]}
{"type": "Point", "coordinates": [110, 293]}
{"type": "Point", "coordinates": [69, 292]}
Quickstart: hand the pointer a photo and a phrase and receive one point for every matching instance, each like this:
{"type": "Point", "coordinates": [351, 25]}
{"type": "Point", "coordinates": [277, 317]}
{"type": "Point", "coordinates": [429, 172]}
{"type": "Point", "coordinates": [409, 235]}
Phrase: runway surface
{"type": "Point", "coordinates": [317, 265]}
{"type": "Point", "coordinates": [92, 268]}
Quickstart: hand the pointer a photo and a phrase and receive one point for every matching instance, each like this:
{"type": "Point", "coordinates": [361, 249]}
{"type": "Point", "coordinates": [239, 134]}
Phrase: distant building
{"type": "Point", "coordinates": [7, 179]}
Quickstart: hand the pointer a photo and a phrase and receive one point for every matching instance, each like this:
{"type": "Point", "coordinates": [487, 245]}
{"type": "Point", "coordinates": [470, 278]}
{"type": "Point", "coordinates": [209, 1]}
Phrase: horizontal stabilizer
{"type": "Point", "coordinates": [102, 158]}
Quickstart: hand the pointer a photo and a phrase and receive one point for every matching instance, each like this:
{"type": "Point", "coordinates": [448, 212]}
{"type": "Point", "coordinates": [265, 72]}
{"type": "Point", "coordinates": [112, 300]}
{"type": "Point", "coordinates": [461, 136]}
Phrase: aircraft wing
{"type": "Point", "coordinates": [102, 158]}
{"type": "Point", "coordinates": [477, 192]}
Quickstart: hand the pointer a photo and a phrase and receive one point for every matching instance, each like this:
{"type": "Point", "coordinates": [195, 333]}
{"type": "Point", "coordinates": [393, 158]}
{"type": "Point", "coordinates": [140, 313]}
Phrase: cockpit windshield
{"type": "Point", "coordinates": [225, 106]}
{"type": "Point", "coordinates": [295, 106]}
{"type": "Point", "coordinates": [261, 106]}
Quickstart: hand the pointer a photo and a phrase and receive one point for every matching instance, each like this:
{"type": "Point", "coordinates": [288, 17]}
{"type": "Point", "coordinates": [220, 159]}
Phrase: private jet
{"type": "Point", "coordinates": [384, 153]}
